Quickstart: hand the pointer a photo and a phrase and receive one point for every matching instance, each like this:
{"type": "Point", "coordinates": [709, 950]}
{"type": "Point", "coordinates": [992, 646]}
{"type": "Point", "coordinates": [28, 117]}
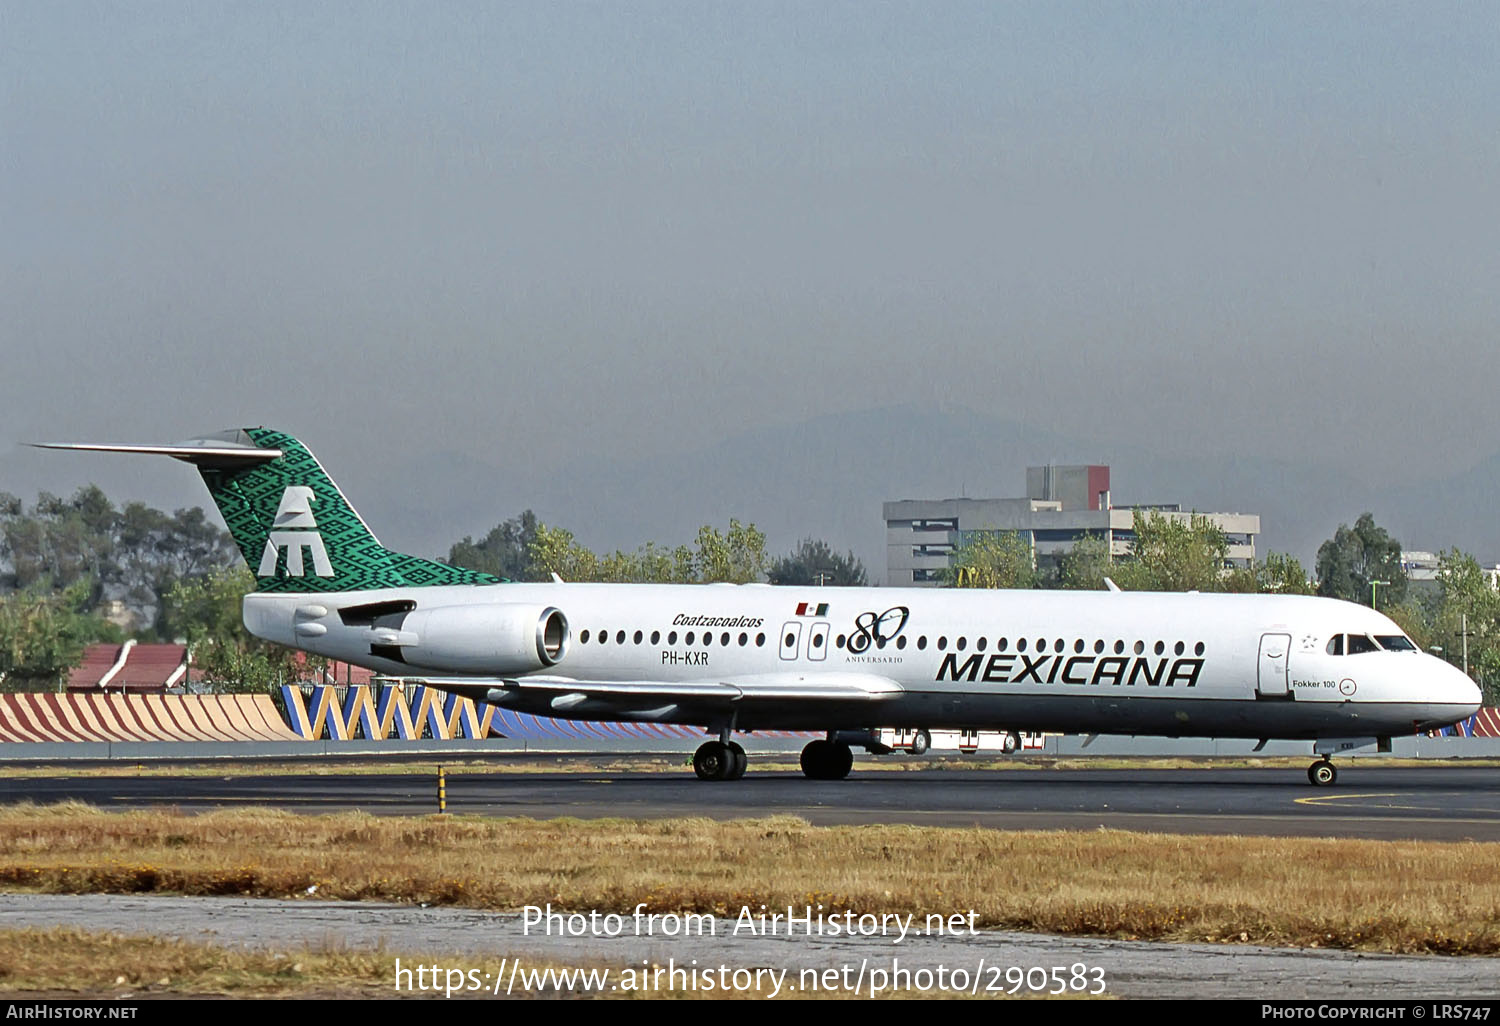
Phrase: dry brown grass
{"type": "Point", "coordinates": [78, 963]}
{"type": "Point", "coordinates": [108, 965]}
{"type": "Point", "coordinates": [1399, 896]}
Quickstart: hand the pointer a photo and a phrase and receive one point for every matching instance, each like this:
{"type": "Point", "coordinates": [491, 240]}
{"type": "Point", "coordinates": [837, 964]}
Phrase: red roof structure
{"type": "Point", "coordinates": [129, 667]}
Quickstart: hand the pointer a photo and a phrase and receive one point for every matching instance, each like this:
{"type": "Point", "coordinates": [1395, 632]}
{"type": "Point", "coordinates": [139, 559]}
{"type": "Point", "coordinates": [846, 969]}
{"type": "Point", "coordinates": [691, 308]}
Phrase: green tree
{"type": "Point", "coordinates": [992, 559]}
{"type": "Point", "coordinates": [505, 552]}
{"type": "Point", "coordinates": [1085, 565]}
{"type": "Point", "coordinates": [1277, 574]}
{"type": "Point", "coordinates": [738, 555]}
{"type": "Point", "coordinates": [136, 554]}
{"type": "Point", "coordinates": [554, 550]}
{"type": "Point", "coordinates": [813, 562]}
{"type": "Point", "coordinates": [43, 634]}
{"type": "Point", "coordinates": [1173, 554]}
{"type": "Point", "coordinates": [207, 612]}
{"type": "Point", "coordinates": [1468, 609]}
{"type": "Point", "coordinates": [1351, 559]}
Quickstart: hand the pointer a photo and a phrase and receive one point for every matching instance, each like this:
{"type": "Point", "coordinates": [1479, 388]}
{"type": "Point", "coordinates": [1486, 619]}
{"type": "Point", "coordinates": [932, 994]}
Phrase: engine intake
{"type": "Point", "coordinates": [498, 639]}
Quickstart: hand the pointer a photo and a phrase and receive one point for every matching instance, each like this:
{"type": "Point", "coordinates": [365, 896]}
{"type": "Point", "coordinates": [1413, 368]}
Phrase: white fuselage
{"type": "Point", "coordinates": [1205, 665]}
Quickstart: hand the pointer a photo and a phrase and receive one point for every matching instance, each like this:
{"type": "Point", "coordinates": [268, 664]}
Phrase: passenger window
{"type": "Point", "coordinates": [655, 637]}
{"type": "Point", "coordinates": [583, 639]}
{"type": "Point", "coordinates": [637, 638]}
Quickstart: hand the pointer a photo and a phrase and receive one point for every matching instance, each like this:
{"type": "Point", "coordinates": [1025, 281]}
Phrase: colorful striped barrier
{"type": "Point", "coordinates": [33, 717]}
{"type": "Point", "coordinates": [408, 714]}
{"type": "Point", "coordinates": [1484, 723]}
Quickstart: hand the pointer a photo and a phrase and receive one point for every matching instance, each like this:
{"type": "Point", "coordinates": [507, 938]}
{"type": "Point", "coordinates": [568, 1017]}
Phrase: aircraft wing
{"type": "Point", "coordinates": [641, 699]}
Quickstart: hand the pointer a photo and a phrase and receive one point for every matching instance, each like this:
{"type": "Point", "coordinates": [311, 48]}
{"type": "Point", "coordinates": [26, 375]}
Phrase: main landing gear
{"type": "Point", "coordinates": [1322, 773]}
{"type": "Point", "coordinates": [720, 760]}
{"type": "Point", "coordinates": [827, 760]}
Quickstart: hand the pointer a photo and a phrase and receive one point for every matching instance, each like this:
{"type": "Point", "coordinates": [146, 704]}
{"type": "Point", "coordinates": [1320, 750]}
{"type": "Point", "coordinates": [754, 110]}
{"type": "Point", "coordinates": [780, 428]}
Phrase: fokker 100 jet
{"type": "Point", "coordinates": [731, 658]}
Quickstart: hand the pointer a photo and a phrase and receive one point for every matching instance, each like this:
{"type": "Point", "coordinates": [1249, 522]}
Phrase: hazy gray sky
{"type": "Point", "coordinates": [524, 232]}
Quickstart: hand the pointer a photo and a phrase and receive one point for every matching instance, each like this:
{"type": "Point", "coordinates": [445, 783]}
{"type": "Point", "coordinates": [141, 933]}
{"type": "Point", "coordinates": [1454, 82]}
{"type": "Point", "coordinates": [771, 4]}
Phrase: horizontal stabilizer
{"type": "Point", "coordinates": [198, 451]}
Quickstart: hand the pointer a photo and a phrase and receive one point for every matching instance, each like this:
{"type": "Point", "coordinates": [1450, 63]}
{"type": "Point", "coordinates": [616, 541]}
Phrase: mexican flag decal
{"type": "Point", "coordinates": [812, 608]}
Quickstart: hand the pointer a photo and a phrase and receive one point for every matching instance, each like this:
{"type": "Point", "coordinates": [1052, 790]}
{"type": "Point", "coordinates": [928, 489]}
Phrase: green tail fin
{"type": "Point", "coordinates": [297, 531]}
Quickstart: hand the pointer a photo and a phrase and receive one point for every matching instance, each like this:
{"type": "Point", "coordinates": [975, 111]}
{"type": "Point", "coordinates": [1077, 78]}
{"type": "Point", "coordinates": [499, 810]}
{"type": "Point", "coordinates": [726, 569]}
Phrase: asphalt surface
{"type": "Point", "coordinates": [1435, 803]}
{"type": "Point", "coordinates": [988, 963]}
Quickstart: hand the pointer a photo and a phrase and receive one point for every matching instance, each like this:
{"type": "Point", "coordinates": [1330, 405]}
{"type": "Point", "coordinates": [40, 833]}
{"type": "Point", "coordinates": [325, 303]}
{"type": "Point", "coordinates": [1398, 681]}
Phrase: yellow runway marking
{"type": "Point", "coordinates": [1320, 799]}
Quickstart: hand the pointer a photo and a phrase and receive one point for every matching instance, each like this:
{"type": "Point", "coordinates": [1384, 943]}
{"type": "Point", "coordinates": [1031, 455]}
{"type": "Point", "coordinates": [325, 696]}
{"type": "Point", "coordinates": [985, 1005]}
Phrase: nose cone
{"type": "Point", "coordinates": [1451, 688]}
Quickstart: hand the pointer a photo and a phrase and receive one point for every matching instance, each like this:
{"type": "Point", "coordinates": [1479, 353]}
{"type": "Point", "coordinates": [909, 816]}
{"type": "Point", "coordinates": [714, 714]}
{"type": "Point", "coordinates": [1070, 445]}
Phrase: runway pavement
{"type": "Point", "coordinates": [1441, 802]}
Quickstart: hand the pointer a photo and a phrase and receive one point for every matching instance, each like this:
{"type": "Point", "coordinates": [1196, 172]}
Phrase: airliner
{"type": "Point", "coordinates": [839, 661]}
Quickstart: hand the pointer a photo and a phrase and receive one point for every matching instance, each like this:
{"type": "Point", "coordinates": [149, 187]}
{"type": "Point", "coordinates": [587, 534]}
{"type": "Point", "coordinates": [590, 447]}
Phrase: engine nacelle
{"type": "Point", "coordinates": [494, 639]}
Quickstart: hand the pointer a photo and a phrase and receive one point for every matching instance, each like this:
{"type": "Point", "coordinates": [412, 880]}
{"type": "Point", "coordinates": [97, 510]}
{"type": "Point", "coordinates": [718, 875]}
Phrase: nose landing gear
{"type": "Point", "coordinates": [1322, 773]}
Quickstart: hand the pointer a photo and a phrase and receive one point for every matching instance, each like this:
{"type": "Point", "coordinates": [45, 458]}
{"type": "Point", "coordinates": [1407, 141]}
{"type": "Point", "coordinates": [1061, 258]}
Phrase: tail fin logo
{"type": "Point", "coordinates": [295, 529]}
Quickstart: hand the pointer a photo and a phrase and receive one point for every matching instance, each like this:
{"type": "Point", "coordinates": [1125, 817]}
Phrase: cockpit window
{"type": "Point", "coordinates": [1336, 645]}
{"type": "Point", "coordinates": [1361, 643]}
{"type": "Point", "coordinates": [1395, 643]}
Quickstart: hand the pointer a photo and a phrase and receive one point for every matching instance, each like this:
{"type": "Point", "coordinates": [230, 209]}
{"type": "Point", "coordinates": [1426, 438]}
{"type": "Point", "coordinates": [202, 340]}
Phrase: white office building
{"type": "Point", "coordinates": [1062, 506]}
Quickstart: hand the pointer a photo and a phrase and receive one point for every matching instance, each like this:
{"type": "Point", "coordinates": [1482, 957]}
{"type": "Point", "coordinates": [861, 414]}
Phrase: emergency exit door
{"type": "Point", "coordinates": [1274, 650]}
{"type": "Point", "coordinates": [791, 637]}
